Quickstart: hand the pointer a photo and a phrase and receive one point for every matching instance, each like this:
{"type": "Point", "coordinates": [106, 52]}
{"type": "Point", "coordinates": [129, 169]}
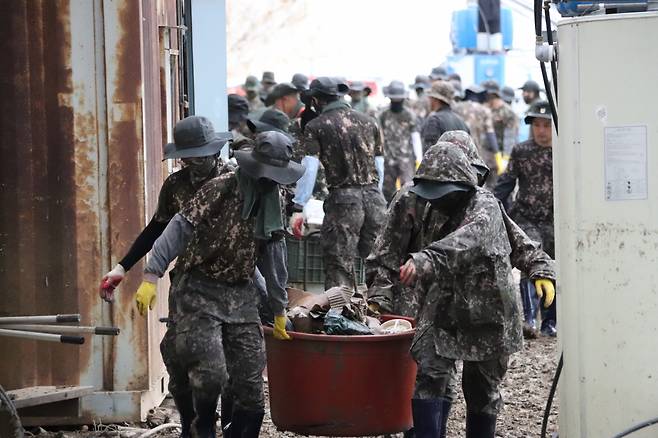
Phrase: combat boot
{"type": "Point", "coordinates": [203, 425]}
{"type": "Point", "coordinates": [427, 417]}
{"type": "Point", "coordinates": [246, 424]}
{"type": "Point", "coordinates": [480, 425]}
{"type": "Point", "coordinates": [185, 408]}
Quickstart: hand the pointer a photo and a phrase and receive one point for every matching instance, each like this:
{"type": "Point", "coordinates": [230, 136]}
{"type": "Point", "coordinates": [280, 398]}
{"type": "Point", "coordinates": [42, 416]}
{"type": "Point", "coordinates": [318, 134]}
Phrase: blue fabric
{"type": "Point", "coordinates": [306, 183]}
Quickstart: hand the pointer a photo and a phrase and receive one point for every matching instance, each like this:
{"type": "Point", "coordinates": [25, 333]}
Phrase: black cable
{"type": "Point", "coordinates": [637, 427]}
{"type": "Point", "coordinates": [551, 395]}
{"type": "Point", "coordinates": [549, 34]}
{"type": "Point", "coordinates": [537, 18]}
{"type": "Point", "coordinates": [549, 94]}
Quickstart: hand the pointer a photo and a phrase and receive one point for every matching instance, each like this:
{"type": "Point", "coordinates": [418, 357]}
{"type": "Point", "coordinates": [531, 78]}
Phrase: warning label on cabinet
{"type": "Point", "coordinates": [625, 163]}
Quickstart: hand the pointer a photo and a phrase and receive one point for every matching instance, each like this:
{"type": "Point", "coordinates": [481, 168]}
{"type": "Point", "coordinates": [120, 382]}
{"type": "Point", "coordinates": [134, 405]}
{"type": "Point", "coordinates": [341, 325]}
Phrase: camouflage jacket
{"type": "Point", "coordinates": [177, 190]}
{"type": "Point", "coordinates": [346, 142]}
{"type": "Point", "coordinates": [469, 293]}
{"type": "Point", "coordinates": [223, 244]}
{"type": "Point", "coordinates": [396, 130]}
{"type": "Point", "coordinates": [420, 107]}
{"type": "Point", "coordinates": [531, 166]}
{"type": "Point", "coordinates": [439, 122]}
{"type": "Point", "coordinates": [506, 126]}
{"type": "Point", "coordinates": [478, 119]}
{"type": "Point", "coordinates": [255, 104]}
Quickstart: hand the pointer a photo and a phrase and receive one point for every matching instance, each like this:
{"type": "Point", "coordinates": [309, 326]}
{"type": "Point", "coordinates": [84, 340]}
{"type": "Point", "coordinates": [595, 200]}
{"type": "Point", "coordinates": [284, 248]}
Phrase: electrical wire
{"type": "Point", "coordinates": [551, 395]}
{"type": "Point", "coordinates": [544, 74]}
{"type": "Point", "coordinates": [549, 34]}
{"type": "Point", "coordinates": [637, 427]}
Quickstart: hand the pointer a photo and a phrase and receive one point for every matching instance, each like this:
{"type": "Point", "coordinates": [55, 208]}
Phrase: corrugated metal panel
{"type": "Point", "coordinates": [81, 147]}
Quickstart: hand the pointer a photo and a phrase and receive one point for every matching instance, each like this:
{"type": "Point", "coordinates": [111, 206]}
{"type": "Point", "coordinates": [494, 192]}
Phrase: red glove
{"type": "Point", "coordinates": [110, 281]}
{"type": "Point", "coordinates": [297, 225]}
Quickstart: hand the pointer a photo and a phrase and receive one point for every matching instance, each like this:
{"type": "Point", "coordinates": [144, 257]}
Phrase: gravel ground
{"type": "Point", "coordinates": [525, 390]}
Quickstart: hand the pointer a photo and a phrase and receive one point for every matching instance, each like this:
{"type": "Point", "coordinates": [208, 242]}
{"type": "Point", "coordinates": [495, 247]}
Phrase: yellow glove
{"type": "Point", "coordinates": [501, 163]}
{"type": "Point", "coordinates": [374, 308]}
{"type": "Point", "coordinates": [145, 297]}
{"type": "Point", "coordinates": [545, 289]}
{"type": "Point", "coordinates": [280, 332]}
{"type": "Point", "coordinates": [417, 164]}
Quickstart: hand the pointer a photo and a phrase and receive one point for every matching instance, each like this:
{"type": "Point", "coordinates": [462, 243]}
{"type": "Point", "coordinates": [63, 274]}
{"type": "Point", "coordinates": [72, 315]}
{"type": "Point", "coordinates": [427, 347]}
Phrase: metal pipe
{"type": "Point", "coordinates": [46, 319]}
{"type": "Point", "coordinates": [63, 329]}
{"type": "Point", "coordinates": [64, 339]}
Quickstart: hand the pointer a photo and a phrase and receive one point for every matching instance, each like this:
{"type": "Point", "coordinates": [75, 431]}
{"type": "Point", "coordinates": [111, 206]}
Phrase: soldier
{"type": "Point", "coordinates": [438, 74]}
{"type": "Point", "coordinates": [468, 310]}
{"type": "Point", "coordinates": [349, 145]}
{"type": "Point", "coordinates": [285, 98]}
{"type": "Point", "coordinates": [214, 318]}
{"type": "Point", "coordinates": [405, 233]}
{"type": "Point", "coordinates": [400, 131]}
{"type": "Point", "coordinates": [506, 125]}
{"type": "Point", "coordinates": [508, 95]}
{"type": "Point", "coordinates": [238, 109]}
{"type": "Point", "coordinates": [421, 106]}
{"type": "Point", "coordinates": [480, 124]}
{"type": "Point", "coordinates": [530, 92]}
{"type": "Point", "coordinates": [267, 82]}
{"type": "Point", "coordinates": [531, 165]}
{"type": "Point", "coordinates": [359, 93]}
{"type": "Point", "coordinates": [197, 144]}
{"type": "Point", "coordinates": [300, 81]}
{"type": "Point", "coordinates": [252, 89]}
{"type": "Point", "coordinates": [442, 118]}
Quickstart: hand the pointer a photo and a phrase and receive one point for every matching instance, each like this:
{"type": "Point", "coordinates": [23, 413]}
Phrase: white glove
{"type": "Point", "coordinates": [110, 281]}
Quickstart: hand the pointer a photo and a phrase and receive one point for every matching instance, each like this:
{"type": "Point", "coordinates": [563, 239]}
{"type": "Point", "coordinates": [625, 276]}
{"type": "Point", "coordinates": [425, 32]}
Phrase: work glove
{"type": "Point", "coordinates": [297, 225]}
{"type": "Point", "coordinates": [408, 273]}
{"type": "Point", "coordinates": [110, 281]}
{"type": "Point", "coordinates": [374, 308]}
{"type": "Point", "coordinates": [501, 162]}
{"type": "Point", "coordinates": [280, 332]}
{"type": "Point", "coordinates": [145, 296]}
{"type": "Point", "coordinates": [545, 289]}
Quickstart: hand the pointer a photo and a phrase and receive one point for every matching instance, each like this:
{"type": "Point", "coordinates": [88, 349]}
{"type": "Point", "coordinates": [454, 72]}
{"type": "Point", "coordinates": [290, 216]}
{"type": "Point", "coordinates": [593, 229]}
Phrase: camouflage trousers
{"type": "Point", "coordinates": [436, 377]}
{"type": "Point", "coordinates": [353, 218]}
{"type": "Point", "coordinates": [403, 169]}
{"type": "Point", "coordinates": [206, 356]}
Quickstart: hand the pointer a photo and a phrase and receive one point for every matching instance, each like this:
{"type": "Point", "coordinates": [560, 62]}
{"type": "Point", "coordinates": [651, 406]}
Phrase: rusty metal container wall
{"type": "Point", "coordinates": [81, 147]}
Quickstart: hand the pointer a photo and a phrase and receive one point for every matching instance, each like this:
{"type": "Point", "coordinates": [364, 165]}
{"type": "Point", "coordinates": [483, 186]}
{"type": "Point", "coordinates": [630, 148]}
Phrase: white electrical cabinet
{"type": "Point", "coordinates": [606, 186]}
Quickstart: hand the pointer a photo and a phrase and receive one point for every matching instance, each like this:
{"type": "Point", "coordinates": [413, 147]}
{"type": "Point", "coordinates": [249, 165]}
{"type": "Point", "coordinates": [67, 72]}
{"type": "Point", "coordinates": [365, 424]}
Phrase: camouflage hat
{"type": "Point", "coordinates": [438, 73]}
{"type": "Point", "coordinates": [508, 94]}
{"type": "Point", "coordinates": [251, 84]}
{"type": "Point", "coordinates": [455, 77]}
{"type": "Point", "coordinates": [328, 86]}
{"type": "Point", "coordinates": [395, 90]}
{"type": "Point", "coordinates": [238, 108]}
{"type": "Point", "coordinates": [443, 91]}
{"type": "Point", "coordinates": [358, 86]}
{"type": "Point", "coordinates": [343, 85]}
{"type": "Point", "coordinates": [421, 81]}
{"type": "Point", "coordinates": [444, 169]}
{"type": "Point", "coordinates": [491, 87]}
{"type": "Point", "coordinates": [531, 86]}
{"type": "Point", "coordinates": [268, 78]}
{"type": "Point", "coordinates": [270, 158]}
{"type": "Point", "coordinates": [465, 142]}
{"type": "Point", "coordinates": [194, 137]}
{"type": "Point", "coordinates": [270, 120]}
{"type": "Point", "coordinates": [279, 91]}
{"type": "Point", "coordinates": [300, 81]}
{"type": "Point", "coordinates": [540, 109]}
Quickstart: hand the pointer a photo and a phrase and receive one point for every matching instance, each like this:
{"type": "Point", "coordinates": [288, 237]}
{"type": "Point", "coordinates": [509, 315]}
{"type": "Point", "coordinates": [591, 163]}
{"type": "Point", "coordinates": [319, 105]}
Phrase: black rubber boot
{"type": "Point", "coordinates": [204, 423]}
{"type": "Point", "coordinates": [445, 413]}
{"type": "Point", "coordinates": [185, 407]}
{"type": "Point", "coordinates": [480, 425]}
{"type": "Point", "coordinates": [246, 424]}
{"type": "Point", "coordinates": [226, 409]}
{"type": "Point", "coordinates": [427, 417]}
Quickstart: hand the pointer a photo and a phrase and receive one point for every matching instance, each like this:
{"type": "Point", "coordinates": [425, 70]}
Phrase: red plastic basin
{"type": "Point", "coordinates": [341, 385]}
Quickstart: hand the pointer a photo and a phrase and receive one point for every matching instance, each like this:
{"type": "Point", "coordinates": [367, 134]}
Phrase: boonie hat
{"type": "Point", "coordinates": [195, 136]}
{"type": "Point", "coordinates": [270, 158]}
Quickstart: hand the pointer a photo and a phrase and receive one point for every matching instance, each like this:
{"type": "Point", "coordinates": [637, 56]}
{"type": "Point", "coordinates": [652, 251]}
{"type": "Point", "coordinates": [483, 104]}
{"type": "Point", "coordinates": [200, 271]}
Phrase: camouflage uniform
{"type": "Point", "coordinates": [255, 104]}
{"type": "Point", "coordinates": [439, 122]}
{"type": "Point", "coordinates": [320, 190]}
{"type": "Point", "coordinates": [479, 120]}
{"type": "Point", "coordinates": [468, 307]}
{"type": "Point", "coordinates": [398, 150]}
{"type": "Point", "coordinates": [532, 166]}
{"type": "Point", "coordinates": [506, 126]}
{"type": "Point", "coordinates": [346, 143]}
{"type": "Point", "coordinates": [421, 107]}
{"type": "Point", "coordinates": [215, 325]}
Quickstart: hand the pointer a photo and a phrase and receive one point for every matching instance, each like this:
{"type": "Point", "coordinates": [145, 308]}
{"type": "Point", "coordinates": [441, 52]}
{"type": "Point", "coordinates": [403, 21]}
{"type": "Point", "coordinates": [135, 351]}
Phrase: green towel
{"type": "Point", "coordinates": [264, 203]}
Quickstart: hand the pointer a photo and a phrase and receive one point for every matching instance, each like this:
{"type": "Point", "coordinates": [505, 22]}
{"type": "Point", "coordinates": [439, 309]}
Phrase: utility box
{"type": "Point", "coordinates": [606, 185]}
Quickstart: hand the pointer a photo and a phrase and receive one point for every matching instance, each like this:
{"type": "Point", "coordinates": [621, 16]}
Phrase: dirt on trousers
{"type": "Point", "coordinates": [525, 390]}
